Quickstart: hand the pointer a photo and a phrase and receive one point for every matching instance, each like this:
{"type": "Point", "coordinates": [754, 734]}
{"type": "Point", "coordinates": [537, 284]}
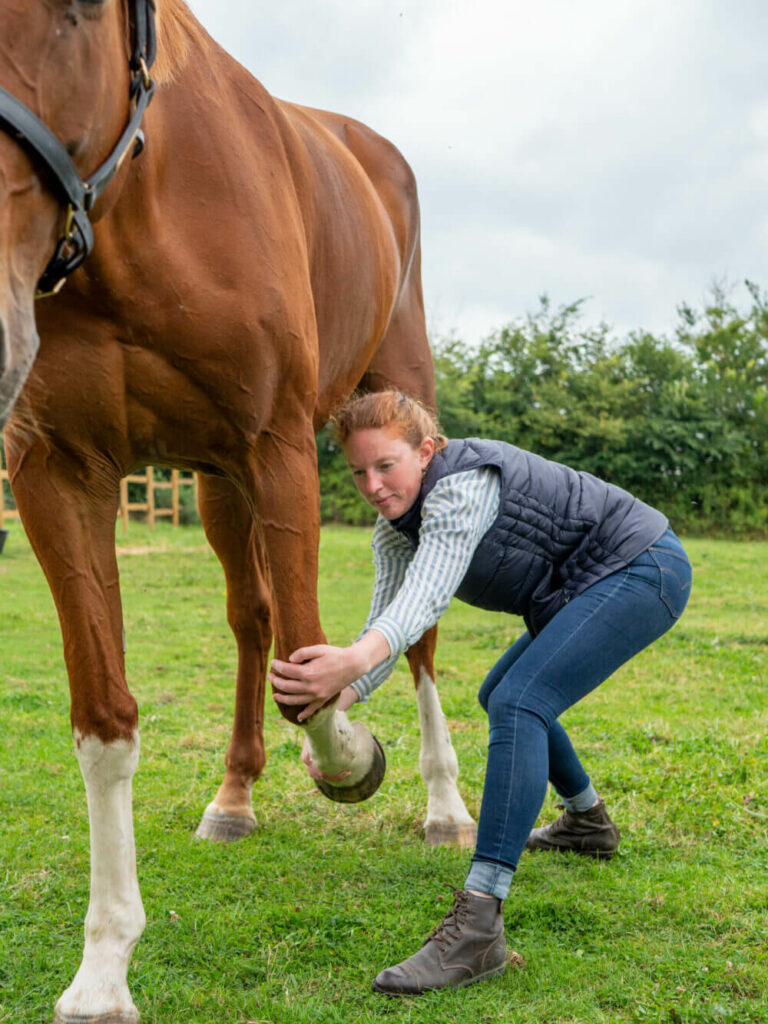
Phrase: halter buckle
{"type": "Point", "coordinates": [73, 246]}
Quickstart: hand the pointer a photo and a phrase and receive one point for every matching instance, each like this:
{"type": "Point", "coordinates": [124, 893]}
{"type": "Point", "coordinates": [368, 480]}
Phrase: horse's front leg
{"type": "Point", "coordinates": [68, 509]}
{"type": "Point", "coordinates": [115, 918]}
{"type": "Point", "coordinates": [287, 502]}
{"type": "Point", "coordinates": [448, 821]}
{"type": "Point", "coordinates": [231, 532]}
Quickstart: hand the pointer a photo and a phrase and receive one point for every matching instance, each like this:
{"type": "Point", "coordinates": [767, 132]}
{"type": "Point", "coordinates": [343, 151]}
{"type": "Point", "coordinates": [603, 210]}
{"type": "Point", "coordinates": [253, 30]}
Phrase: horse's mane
{"type": "Point", "coordinates": [177, 31]}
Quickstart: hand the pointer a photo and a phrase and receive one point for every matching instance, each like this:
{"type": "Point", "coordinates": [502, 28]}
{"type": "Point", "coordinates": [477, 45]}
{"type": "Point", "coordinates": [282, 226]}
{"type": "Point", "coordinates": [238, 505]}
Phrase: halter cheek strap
{"type": "Point", "coordinates": [18, 121]}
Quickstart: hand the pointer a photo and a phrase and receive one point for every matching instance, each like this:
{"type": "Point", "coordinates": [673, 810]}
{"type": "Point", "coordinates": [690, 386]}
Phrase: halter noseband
{"type": "Point", "coordinates": [20, 122]}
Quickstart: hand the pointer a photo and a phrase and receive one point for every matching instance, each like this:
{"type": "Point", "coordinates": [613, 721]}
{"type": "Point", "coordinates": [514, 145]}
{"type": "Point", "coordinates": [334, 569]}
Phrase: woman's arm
{"type": "Point", "coordinates": [392, 553]}
{"type": "Point", "coordinates": [455, 516]}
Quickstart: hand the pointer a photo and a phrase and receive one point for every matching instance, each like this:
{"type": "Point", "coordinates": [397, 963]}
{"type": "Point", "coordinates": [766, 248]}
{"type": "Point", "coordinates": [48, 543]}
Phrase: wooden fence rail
{"type": "Point", "coordinates": [151, 485]}
{"type": "Point", "coordinates": [149, 506]}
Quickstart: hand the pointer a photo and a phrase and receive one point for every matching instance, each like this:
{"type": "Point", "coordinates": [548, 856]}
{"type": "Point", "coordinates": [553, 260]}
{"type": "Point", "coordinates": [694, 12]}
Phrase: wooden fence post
{"type": "Point", "coordinates": [123, 510]}
{"type": "Point", "coordinates": [151, 497]}
{"type": "Point", "coordinates": [175, 496]}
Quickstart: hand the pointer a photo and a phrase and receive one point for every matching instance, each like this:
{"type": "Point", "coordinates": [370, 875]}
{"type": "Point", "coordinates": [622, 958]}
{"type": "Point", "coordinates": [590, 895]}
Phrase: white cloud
{"type": "Point", "coordinates": [603, 148]}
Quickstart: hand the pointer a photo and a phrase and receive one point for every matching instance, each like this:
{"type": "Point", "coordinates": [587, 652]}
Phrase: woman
{"type": "Point", "coordinates": [597, 576]}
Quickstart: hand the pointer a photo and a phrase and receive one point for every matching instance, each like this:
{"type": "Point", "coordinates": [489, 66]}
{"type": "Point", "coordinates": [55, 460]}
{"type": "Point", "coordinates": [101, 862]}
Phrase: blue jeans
{"type": "Point", "coordinates": [539, 678]}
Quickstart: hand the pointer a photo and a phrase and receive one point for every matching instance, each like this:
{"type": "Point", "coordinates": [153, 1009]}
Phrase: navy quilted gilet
{"type": "Point", "coordinates": [558, 530]}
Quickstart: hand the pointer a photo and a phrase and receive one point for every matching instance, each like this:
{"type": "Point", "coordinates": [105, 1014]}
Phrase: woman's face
{"type": "Point", "coordinates": [386, 469]}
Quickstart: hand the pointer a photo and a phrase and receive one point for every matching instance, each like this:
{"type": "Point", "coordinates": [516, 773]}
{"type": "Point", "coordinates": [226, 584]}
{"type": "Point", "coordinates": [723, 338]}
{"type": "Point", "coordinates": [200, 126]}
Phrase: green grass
{"type": "Point", "coordinates": [290, 925]}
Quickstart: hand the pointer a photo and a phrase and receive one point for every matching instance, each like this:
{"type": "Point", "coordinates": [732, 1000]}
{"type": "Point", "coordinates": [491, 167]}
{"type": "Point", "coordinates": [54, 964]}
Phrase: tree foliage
{"type": "Point", "coordinates": [681, 422]}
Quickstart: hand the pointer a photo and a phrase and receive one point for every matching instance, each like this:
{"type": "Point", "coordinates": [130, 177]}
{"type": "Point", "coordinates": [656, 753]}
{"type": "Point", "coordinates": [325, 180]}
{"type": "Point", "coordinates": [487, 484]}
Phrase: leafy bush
{"type": "Point", "coordinates": [681, 422]}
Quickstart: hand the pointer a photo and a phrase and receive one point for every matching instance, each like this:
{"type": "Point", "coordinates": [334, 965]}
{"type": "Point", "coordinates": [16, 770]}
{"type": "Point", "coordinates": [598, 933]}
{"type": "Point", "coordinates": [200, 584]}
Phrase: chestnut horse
{"type": "Point", "coordinates": [256, 263]}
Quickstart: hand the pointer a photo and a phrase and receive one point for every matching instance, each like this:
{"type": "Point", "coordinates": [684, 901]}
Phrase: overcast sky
{"type": "Point", "coordinates": [610, 149]}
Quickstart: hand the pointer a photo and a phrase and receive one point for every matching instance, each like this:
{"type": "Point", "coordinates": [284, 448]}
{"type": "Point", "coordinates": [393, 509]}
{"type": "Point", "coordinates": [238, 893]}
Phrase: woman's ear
{"type": "Point", "coordinates": [426, 451]}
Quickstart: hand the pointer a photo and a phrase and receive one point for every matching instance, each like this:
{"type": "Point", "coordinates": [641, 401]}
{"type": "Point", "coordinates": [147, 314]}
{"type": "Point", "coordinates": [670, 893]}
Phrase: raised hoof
{"type": "Point", "coordinates": [100, 1018]}
{"type": "Point", "coordinates": [361, 790]}
{"type": "Point", "coordinates": [463, 837]}
{"type": "Point", "coordinates": [224, 828]}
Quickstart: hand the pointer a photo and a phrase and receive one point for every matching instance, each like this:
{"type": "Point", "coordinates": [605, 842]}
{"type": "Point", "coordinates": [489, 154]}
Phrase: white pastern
{"type": "Point", "coordinates": [115, 918]}
{"type": "Point", "coordinates": [437, 761]}
{"type": "Point", "coordinates": [338, 745]}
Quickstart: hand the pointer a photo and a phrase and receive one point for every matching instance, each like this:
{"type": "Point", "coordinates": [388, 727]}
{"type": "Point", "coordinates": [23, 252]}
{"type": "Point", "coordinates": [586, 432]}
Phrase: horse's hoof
{"type": "Point", "coordinates": [463, 836]}
{"type": "Point", "coordinates": [224, 828]}
{"type": "Point", "coordinates": [100, 1018]}
{"type": "Point", "coordinates": [361, 790]}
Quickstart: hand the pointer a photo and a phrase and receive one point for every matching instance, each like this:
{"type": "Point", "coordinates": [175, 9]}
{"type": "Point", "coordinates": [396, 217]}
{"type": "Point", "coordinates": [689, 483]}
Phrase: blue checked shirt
{"type": "Point", "coordinates": [414, 585]}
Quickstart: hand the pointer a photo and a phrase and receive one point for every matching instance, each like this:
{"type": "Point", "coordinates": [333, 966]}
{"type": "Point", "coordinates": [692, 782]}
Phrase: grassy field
{"type": "Point", "coordinates": [290, 925]}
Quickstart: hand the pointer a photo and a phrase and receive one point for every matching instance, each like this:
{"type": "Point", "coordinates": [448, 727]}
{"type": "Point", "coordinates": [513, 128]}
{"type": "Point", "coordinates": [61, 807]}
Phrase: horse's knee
{"type": "Point", "coordinates": [251, 624]}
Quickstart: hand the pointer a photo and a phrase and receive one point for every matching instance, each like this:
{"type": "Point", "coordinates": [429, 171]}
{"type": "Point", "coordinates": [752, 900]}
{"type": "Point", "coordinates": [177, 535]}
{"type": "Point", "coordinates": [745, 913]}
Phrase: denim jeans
{"type": "Point", "coordinates": [538, 679]}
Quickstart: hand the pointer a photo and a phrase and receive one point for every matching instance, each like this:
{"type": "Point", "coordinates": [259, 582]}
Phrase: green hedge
{"type": "Point", "coordinates": [682, 422]}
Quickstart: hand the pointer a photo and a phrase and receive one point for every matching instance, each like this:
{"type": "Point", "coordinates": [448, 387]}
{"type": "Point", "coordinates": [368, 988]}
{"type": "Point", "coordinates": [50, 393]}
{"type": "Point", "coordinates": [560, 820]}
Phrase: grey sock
{"type": "Point", "coordinates": [582, 801]}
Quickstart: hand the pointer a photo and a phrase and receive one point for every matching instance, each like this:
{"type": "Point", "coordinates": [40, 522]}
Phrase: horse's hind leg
{"type": "Point", "coordinates": [448, 821]}
{"type": "Point", "coordinates": [68, 507]}
{"type": "Point", "coordinates": [231, 531]}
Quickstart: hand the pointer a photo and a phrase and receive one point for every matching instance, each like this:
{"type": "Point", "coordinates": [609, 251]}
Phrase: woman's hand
{"type": "Point", "coordinates": [314, 675]}
{"type": "Point", "coordinates": [314, 772]}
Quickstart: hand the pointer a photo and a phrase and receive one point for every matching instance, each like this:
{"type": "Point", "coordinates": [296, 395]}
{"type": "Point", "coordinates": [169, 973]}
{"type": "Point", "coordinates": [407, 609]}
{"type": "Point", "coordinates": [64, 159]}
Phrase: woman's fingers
{"type": "Point", "coordinates": [334, 776]}
{"type": "Point", "coordinates": [289, 685]}
{"type": "Point", "coordinates": [308, 653]}
{"type": "Point", "coordinates": [293, 698]}
{"type": "Point", "coordinates": [310, 710]}
{"type": "Point", "coordinates": [314, 772]}
{"type": "Point", "coordinates": [287, 670]}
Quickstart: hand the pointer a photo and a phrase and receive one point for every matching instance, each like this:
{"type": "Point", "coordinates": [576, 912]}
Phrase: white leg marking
{"type": "Point", "coordinates": [438, 762]}
{"type": "Point", "coordinates": [115, 918]}
{"type": "Point", "coordinates": [337, 745]}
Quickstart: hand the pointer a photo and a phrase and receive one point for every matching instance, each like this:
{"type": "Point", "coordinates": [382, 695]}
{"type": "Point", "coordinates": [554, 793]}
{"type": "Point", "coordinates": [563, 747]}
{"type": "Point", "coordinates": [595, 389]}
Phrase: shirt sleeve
{"type": "Point", "coordinates": [392, 554]}
{"type": "Point", "coordinates": [414, 586]}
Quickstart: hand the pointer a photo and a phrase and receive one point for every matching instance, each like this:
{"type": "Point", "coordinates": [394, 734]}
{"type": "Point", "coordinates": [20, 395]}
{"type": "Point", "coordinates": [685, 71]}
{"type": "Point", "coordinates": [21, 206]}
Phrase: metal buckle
{"type": "Point", "coordinates": [54, 291]}
{"type": "Point", "coordinates": [71, 250]}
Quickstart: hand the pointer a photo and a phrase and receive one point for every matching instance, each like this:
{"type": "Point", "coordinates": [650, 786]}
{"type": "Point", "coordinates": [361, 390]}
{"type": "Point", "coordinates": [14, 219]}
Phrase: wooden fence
{"type": "Point", "coordinates": [149, 506]}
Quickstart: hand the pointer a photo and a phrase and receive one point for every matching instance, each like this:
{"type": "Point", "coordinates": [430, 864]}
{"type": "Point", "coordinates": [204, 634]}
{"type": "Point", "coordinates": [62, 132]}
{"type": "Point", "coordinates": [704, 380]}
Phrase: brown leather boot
{"type": "Point", "coordinates": [591, 833]}
{"type": "Point", "coordinates": [467, 946]}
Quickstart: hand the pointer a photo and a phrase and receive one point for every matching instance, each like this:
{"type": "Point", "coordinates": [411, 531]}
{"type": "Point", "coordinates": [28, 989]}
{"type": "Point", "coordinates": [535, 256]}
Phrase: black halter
{"type": "Point", "coordinates": [19, 121]}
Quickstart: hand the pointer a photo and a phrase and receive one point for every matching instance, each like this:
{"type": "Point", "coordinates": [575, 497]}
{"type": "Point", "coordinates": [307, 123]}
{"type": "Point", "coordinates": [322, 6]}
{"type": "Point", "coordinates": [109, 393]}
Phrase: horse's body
{"type": "Point", "coordinates": [255, 264]}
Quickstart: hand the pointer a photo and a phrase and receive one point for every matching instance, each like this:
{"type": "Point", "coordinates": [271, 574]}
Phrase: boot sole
{"type": "Point", "coordinates": [462, 984]}
{"type": "Point", "coordinates": [594, 854]}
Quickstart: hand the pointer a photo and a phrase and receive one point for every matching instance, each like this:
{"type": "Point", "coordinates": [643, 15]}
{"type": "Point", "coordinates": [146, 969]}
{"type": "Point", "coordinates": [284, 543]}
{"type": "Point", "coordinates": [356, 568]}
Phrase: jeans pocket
{"type": "Point", "coordinates": [675, 586]}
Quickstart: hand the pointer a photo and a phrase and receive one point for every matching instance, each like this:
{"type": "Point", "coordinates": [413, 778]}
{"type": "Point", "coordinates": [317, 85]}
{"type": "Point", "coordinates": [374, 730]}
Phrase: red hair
{"type": "Point", "coordinates": [378, 410]}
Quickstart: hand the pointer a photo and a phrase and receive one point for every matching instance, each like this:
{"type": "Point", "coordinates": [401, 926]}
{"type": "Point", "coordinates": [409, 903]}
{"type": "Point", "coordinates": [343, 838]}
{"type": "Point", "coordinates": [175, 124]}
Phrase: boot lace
{"type": "Point", "coordinates": [449, 928]}
{"type": "Point", "coordinates": [563, 823]}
